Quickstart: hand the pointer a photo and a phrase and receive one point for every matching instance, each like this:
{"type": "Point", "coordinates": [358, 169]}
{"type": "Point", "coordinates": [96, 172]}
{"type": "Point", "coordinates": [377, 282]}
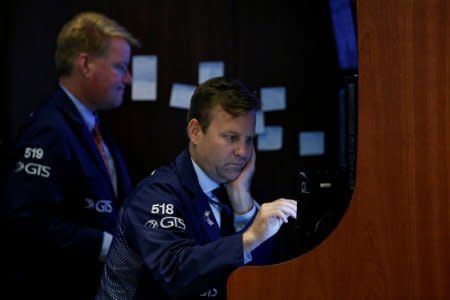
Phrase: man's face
{"type": "Point", "coordinates": [226, 146]}
{"type": "Point", "coordinates": [110, 75]}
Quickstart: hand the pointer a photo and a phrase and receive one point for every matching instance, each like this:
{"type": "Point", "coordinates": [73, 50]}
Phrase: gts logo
{"type": "Point", "coordinates": [101, 206]}
{"type": "Point", "coordinates": [33, 169]}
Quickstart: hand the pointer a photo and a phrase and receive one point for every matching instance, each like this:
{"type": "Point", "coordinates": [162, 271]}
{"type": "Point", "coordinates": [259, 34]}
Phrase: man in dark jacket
{"type": "Point", "coordinates": [69, 179]}
{"type": "Point", "coordinates": [173, 240]}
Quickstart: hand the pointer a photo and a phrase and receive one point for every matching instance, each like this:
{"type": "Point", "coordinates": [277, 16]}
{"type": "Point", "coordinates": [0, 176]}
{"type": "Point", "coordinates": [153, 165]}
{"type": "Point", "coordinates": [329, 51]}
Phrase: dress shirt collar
{"type": "Point", "coordinates": [206, 184]}
{"type": "Point", "coordinates": [87, 115]}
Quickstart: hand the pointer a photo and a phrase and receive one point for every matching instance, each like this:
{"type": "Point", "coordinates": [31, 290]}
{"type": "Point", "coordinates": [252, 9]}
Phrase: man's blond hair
{"type": "Point", "coordinates": [88, 32]}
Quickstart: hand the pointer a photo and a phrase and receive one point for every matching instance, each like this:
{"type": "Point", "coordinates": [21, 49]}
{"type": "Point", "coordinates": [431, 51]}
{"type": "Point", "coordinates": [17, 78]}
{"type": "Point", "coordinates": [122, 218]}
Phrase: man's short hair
{"type": "Point", "coordinates": [88, 32]}
{"type": "Point", "coordinates": [231, 94]}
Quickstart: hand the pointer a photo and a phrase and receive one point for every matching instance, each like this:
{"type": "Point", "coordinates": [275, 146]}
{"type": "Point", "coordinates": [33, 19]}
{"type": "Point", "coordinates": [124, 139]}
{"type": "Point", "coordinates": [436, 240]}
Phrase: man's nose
{"type": "Point", "coordinates": [127, 78]}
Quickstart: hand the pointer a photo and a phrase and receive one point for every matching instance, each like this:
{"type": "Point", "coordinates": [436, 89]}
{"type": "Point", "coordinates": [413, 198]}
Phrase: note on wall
{"type": "Point", "coordinates": [180, 95]}
{"type": "Point", "coordinates": [271, 139]}
{"type": "Point", "coordinates": [311, 143]}
{"type": "Point", "coordinates": [260, 126]}
{"type": "Point", "coordinates": [210, 69]}
{"type": "Point", "coordinates": [273, 98]}
{"type": "Point", "coordinates": [143, 86]}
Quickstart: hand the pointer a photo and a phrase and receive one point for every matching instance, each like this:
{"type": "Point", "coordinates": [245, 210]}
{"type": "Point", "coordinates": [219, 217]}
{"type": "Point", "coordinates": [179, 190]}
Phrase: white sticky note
{"type": "Point", "coordinates": [273, 98]}
{"type": "Point", "coordinates": [180, 95]}
{"type": "Point", "coordinates": [271, 139]}
{"type": "Point", "coordinates": [143, 86]}
{"type": "Point", "coordinates": [311, 143]}
{"type": "Point", "coordinates": [260, 126]}
{"type": "Point", "coordinates": [210, 69]}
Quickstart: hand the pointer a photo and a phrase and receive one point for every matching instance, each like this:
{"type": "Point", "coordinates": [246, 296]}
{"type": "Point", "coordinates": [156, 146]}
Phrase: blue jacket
{"type": "Point", "coordinates": [168, 244]}
{"type": "Point", "coordinates": [59, 201]}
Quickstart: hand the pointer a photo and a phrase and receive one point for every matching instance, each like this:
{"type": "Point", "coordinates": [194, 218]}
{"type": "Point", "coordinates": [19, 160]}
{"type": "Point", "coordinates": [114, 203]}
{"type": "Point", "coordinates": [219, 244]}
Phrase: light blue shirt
{"type": "Point", "coordinates": [87, 115]}
{"type": "Point", "coordinates": [208, 185]}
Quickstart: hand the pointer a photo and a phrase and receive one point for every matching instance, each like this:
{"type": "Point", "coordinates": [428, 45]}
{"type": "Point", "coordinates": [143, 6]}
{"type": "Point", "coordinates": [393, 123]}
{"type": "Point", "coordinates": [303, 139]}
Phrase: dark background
{"type": "Point", "coordinates": [263, 43]}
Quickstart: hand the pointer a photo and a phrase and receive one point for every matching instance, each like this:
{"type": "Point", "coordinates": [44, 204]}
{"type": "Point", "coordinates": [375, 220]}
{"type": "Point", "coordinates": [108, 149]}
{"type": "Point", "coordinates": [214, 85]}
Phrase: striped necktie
{"type": "Point", "coordinates": [101, 146]}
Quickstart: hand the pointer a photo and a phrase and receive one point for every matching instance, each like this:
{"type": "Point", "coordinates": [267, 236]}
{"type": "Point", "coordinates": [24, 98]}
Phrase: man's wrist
{"type": "Point", "coordinates": [106, 243]}
{"type": "Point", "coordinates": [243, 202]}
{"type": "Point", "coordinates": [249, 242]}
{"type": "Point", "coordinates": [241, 221]}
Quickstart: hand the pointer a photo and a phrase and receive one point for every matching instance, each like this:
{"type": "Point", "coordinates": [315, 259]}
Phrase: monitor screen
{"type": "Point", "coordinates": [344, 28]}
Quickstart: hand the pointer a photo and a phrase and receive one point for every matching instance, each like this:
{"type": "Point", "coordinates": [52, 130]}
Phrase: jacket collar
{"type": "Point", "coordinates": [199, 199]}
{"type": "Point", "coordinates": [62, 100]}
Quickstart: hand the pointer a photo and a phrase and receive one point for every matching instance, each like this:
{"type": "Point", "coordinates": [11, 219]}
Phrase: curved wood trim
{"type": "Point", "coordinates": [394, 241]}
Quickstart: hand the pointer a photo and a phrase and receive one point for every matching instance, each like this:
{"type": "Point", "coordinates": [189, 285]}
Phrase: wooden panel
{"type": "Point", "coordinates": [394, 240]}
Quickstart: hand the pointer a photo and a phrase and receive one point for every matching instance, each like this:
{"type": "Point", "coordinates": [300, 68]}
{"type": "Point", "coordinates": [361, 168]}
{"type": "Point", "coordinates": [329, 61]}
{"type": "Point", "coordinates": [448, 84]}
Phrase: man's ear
{"type": "Point", "coordinates": [82, 64]}
{"type": "Point", "coordinates": [194, 131]}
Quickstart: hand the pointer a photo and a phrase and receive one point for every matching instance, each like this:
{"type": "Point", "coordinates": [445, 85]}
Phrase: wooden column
{"type": "Point", "coordinates": [394, 241]}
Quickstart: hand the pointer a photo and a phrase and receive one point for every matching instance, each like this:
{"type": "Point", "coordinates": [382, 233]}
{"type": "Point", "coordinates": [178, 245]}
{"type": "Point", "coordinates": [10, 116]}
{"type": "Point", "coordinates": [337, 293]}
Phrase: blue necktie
{"type": "Point", "coordinates": [226, 213]}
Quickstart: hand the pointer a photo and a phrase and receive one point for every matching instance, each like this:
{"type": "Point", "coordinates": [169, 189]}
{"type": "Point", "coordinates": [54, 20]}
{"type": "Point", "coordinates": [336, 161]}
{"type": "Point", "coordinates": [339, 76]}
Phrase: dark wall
{"type": "Point", "coordinates": [263, 44]}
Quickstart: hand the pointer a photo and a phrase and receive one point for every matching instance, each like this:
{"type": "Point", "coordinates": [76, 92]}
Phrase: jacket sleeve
{"type": "Point", "coordinates": [38, 209]}
{"type": "Point", "coordinates": [161, 228]}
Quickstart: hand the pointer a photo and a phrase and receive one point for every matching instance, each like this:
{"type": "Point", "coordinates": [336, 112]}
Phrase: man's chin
{"type": "Point", "coordinates": [232, 175]}
{"type": "Point", "coordinates": [113, 104]}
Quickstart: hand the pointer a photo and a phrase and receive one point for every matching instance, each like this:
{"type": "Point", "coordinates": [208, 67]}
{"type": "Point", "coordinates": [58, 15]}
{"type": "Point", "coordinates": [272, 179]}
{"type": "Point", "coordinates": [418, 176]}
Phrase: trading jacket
{"type": "Point", "coordinates": [168, 244]}
{"type": "Point", "coordinates": [58, 202]}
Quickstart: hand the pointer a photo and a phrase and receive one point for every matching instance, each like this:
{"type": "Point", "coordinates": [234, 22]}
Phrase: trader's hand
{"type": "Point", "coordinates": [239, 189]}
{"type": "Point", "coordinates": [268, 221]}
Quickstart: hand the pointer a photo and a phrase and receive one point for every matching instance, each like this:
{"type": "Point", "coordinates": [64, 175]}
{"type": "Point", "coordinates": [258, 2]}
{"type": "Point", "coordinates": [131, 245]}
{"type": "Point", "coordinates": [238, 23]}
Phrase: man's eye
{"type": "Point", "coordinates": [231, 138]}
{"type": "Point", "coordinates": [121, 68]}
